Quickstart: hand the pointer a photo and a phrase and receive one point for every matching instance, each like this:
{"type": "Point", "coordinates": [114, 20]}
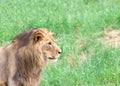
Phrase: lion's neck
{"type": "Point", "coordinates": [29, 66]}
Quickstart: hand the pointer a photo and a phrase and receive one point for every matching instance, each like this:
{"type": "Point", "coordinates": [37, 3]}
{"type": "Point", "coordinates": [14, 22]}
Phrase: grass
{"type": "Point", "coordinates": [74, 23]}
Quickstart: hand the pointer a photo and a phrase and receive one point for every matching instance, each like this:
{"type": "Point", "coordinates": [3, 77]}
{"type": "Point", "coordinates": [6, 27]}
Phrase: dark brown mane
{"type": "Point", "coordinates": [28, 59]}
{"type": "Point", "coordinates": [23, 38]}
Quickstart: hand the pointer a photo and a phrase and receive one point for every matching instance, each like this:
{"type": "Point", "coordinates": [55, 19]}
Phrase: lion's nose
{"type": "Point", "coordinates": [59, 52]}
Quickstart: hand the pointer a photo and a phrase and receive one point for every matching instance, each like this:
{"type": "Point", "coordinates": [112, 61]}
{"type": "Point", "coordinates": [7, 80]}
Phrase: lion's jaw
{"type": "Point", "coordinates": [49, 56]}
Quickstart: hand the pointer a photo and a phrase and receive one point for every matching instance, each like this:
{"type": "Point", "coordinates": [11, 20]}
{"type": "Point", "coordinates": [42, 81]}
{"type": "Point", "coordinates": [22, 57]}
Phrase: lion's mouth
{"type": "Point", "coordinates": [53, 59]}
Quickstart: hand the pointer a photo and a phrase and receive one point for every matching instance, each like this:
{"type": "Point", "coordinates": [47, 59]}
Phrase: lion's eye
{"type": "Point", "coordinates": [50, 43]}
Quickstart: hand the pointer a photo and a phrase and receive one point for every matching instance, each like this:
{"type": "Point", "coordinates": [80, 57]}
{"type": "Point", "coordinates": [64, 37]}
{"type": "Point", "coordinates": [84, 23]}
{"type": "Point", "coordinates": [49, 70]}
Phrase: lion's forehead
{"type": "Point", "coordinates": [50, 38]}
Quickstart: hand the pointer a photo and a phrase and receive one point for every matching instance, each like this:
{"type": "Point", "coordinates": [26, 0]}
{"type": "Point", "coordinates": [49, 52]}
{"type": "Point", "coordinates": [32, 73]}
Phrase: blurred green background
{"type": "Point", "coordinates": [77, 24]}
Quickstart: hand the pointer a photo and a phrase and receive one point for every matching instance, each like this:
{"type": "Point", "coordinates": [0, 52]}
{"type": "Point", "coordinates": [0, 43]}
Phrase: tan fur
{"type": "Point", "coordinates": [21, 61]}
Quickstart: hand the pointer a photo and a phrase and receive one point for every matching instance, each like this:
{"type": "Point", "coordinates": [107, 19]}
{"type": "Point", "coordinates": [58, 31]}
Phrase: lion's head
{"type": "Point", "coordinates": [45, 42]}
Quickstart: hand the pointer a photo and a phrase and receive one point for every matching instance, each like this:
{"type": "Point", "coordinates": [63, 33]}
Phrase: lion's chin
{"type": "Point", "coordinates": [54, 60]}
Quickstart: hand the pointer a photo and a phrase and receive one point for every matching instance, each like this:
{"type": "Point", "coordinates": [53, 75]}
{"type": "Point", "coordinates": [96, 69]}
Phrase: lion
{"type": "Point", "coordinates": [22, 60]}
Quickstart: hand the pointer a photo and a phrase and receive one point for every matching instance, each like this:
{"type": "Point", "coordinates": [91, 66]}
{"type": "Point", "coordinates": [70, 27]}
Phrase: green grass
{"type": "Point", "coordinates": [74, 23]}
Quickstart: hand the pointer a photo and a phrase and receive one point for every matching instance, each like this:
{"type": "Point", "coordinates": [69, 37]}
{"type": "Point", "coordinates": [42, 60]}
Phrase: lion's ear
{"type": "Point", "coordinates": [38, 35]}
